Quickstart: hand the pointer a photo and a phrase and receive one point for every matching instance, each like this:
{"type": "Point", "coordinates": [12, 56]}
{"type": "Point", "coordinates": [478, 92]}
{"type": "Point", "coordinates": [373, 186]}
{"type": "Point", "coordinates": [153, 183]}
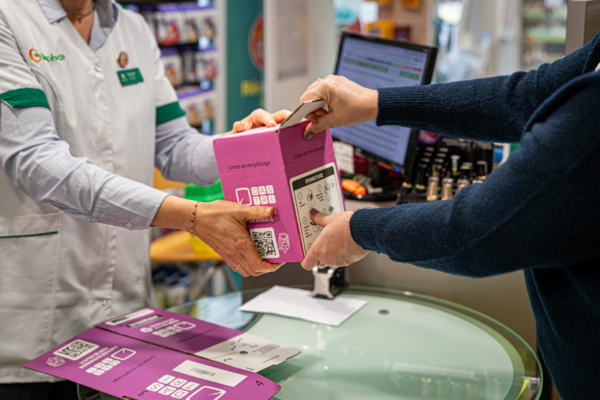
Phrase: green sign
{"type": "Point", "coordinates": [245, 59]}
{"type": "Point", "coordinates": [365, 64]}
{"type": "Point", "coordinates": [130, 76]}
{"type": "Point", "coordinates": [409, 75]}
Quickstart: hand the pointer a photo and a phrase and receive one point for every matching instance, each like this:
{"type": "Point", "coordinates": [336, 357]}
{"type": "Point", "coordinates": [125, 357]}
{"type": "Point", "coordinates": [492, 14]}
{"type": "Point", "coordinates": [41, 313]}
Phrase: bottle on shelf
{"type": "Point", "coordinates": [481, 170]}
{"type": "Point", "coordinates": [427, 162]}
{"type": "Point", "coordinates": [444, 163]}
{"type": "Point", "coordinates": [467, 166]}
{"type": "Point", "coordinates": [432, 188]}
{"type": "Point", "coordinates": [421, 179]}
{"type": "Point", "coordinates": [437, 169]}
{"type": "Point", "coordinates": [455, 163]}
{"type": "Point", "coordinates": [465, 175]}
{"type": "Point", "coordinates": [409, 179]}
{"type": "Point", "coordinates": [447, 185]}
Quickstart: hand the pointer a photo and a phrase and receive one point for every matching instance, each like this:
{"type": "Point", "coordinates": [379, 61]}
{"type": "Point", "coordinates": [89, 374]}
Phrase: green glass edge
{"type": "Point", "coordinates": [24, 98]}
{"type": "Point", "coordinates": [511, 351]}
{"type": "Point", "coordinates": [24, 236]}
{"type": "Point", "coordinates": [515, 357]}
{"type": "Point", "coordinates": [168, 112]}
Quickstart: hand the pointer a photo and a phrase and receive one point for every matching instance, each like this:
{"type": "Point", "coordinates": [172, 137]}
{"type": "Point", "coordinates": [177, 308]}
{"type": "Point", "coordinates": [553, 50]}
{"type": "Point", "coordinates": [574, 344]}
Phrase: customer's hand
{"type": "Point", "coordinates": [222, 226]}
{"type": "Point", "coordinates": [349, 104]}
{"type": "Point", "coordinates": [335, 246]}
{"type": "Point", "coordinates": [258, 118]}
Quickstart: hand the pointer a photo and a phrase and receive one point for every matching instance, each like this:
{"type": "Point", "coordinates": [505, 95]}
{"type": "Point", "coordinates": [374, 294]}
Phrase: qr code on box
{"type": "Point", "coordinates": [76, 349]}
{"type": "Point", "coordinates": [264, 240]}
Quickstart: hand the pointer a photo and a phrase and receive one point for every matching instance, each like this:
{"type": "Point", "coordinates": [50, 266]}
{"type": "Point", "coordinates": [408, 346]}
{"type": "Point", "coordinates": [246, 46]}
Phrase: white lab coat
{"type": "Point", "coordinates": [59, 275]}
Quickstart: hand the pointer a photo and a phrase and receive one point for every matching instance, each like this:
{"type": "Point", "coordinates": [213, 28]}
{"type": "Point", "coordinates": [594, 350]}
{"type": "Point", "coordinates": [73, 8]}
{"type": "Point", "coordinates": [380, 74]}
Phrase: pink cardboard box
{"type": "Point", "coordinates": [277, 167]}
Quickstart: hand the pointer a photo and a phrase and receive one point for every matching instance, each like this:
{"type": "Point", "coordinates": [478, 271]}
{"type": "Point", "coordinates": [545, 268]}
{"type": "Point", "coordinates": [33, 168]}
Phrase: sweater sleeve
{"type": "Point", "coordinates": [492, 109]}
{"type": "Point", "coordinates": [539, 209]}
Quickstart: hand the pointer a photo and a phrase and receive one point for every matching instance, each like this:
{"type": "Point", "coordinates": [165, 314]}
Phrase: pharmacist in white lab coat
{"type": "Point", "coordinates": [86, 113]}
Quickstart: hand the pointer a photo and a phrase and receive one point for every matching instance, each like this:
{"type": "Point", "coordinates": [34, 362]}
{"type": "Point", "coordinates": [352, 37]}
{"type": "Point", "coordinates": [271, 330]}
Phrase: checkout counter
{"type": "Point", "coordinates": [400, 345]}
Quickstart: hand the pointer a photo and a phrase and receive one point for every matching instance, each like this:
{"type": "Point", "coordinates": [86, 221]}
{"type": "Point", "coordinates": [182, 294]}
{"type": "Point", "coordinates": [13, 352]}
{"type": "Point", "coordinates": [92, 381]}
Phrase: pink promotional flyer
{"type": "Point", "coordinates": [153, 354]}
{"type": "Point", "coordinates": [201, 338]}
{"type": "Point", "coordinates": [124, 367]}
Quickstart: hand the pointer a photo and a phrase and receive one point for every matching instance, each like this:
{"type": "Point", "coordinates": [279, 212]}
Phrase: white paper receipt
{"type": "Point", "coordinates": [316, 189]}
{"type": "Point", "coordinates": [298, 303]}
{"type": "Point", "coordinates": [249, 352]}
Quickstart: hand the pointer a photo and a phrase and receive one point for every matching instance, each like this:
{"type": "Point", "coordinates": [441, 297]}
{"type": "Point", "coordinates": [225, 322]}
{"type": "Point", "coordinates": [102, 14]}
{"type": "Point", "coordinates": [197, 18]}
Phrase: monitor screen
{"type": "Point", "coordinates": [377, 63]}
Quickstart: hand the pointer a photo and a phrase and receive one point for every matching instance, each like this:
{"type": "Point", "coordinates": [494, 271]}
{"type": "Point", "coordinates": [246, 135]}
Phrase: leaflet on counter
{"type": "Point", "coordinates": [132, 369]}
{"type": "Point", "coordinates": [201, 338]}
{"type": "Point", "coordinates": [151, 353]}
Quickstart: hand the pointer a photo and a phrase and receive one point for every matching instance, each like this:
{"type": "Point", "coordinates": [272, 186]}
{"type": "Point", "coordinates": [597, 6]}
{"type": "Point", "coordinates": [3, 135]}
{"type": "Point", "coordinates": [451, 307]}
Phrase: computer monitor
{"type": "Point", "coordinates": [378, 63]}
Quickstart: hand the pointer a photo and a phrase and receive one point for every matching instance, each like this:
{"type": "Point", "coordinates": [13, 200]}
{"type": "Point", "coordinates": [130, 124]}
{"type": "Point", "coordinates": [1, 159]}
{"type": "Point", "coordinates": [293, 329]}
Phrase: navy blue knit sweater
{"type": "Point", "coordinates": [539, 212]}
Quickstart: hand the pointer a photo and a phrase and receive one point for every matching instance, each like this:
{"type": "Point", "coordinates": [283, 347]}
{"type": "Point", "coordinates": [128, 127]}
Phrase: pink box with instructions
{"type": "Point", "coordinates": [277, 167]}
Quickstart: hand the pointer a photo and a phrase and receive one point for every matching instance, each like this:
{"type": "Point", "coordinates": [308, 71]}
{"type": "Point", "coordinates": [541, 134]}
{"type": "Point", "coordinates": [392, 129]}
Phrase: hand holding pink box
{"type": "Point", "coordinates": [277, 167]}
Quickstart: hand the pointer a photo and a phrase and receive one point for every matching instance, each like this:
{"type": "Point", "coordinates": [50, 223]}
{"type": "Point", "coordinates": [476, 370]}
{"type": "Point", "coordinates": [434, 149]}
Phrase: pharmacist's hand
{"type": "Point", "coordinates": [258, 118]}
{"type": "Point", "coordinates": [335, 246]}
{"type": "Point", "coordinates": [222, 226]}
{"type": "Point", "coordinates": [349, 104]}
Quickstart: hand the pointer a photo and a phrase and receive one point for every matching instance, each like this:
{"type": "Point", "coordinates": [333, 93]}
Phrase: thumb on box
{"type": "Point", "coordinates": [319, 124]}
{"type": "Point", "coordinates": [257, 212]}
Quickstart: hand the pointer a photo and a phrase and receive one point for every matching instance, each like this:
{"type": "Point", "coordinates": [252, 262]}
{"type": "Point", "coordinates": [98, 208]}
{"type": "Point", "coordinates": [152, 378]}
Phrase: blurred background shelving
{"type": "Point", "coordinates": [544, 32]}
{"type": "Point", "coordinates": [191, 41]}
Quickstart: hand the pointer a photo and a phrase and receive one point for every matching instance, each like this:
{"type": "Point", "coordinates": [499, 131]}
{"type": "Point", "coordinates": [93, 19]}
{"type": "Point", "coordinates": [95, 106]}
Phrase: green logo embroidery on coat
{"type": "Point", "coordinates": [37, 56]}
{"type": "Point", "coordinates": [130, 76]}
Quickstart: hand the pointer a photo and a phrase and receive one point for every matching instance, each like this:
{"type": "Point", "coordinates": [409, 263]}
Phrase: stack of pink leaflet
{"type": "Point", "coordinates": [277, 167]}
{"type": "Point", "coordinates": [154, 354]}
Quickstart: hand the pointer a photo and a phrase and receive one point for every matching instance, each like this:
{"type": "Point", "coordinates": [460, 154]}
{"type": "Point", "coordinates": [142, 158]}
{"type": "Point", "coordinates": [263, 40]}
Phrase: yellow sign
{"type": "Point", "coordinates": [251, 88]}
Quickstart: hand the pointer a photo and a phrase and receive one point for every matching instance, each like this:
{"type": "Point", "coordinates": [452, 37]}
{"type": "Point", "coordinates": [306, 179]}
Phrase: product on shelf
{"type": "Point", "coordinates": [403, 32]}
{"type": "Point", "coordinates": [442, 166]}
{"type": "Point", "coordinates": [199, 67]}
{"type": "Point", "coordinates": [206, 67]}
{"type": "Point", "coordinates": [208, 33]}
{"type": "Point", "coordinates": [208, 116]}
{"type": "Point", "coordinates": [186, 33]}
{"type": "Point", "coordinates": [173, 66]}
{"type": "Point", "coordinates": [168, 20]}
{"type": "Point", "coordinates": [192, 16]}
{"type": "Point", "coordinates": [181, 23]}
{"type": "Point", "coordinates": [189, 54]}
{"type": "Point", "coordinates": [190, 101]}
{"type": "Point", "coordinates": [447, 186]}
{"type": "Point", "coordinates": [199, 107]}
{"type": "Point", "coordinates": [385, 29]}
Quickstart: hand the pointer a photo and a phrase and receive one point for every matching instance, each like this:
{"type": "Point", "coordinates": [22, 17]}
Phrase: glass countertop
{"type": "Point", "coordinates": [400, 345]}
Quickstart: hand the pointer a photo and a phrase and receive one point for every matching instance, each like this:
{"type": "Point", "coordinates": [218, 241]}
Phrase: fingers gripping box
{"type": "Point", "coordinates": [277, 167]}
